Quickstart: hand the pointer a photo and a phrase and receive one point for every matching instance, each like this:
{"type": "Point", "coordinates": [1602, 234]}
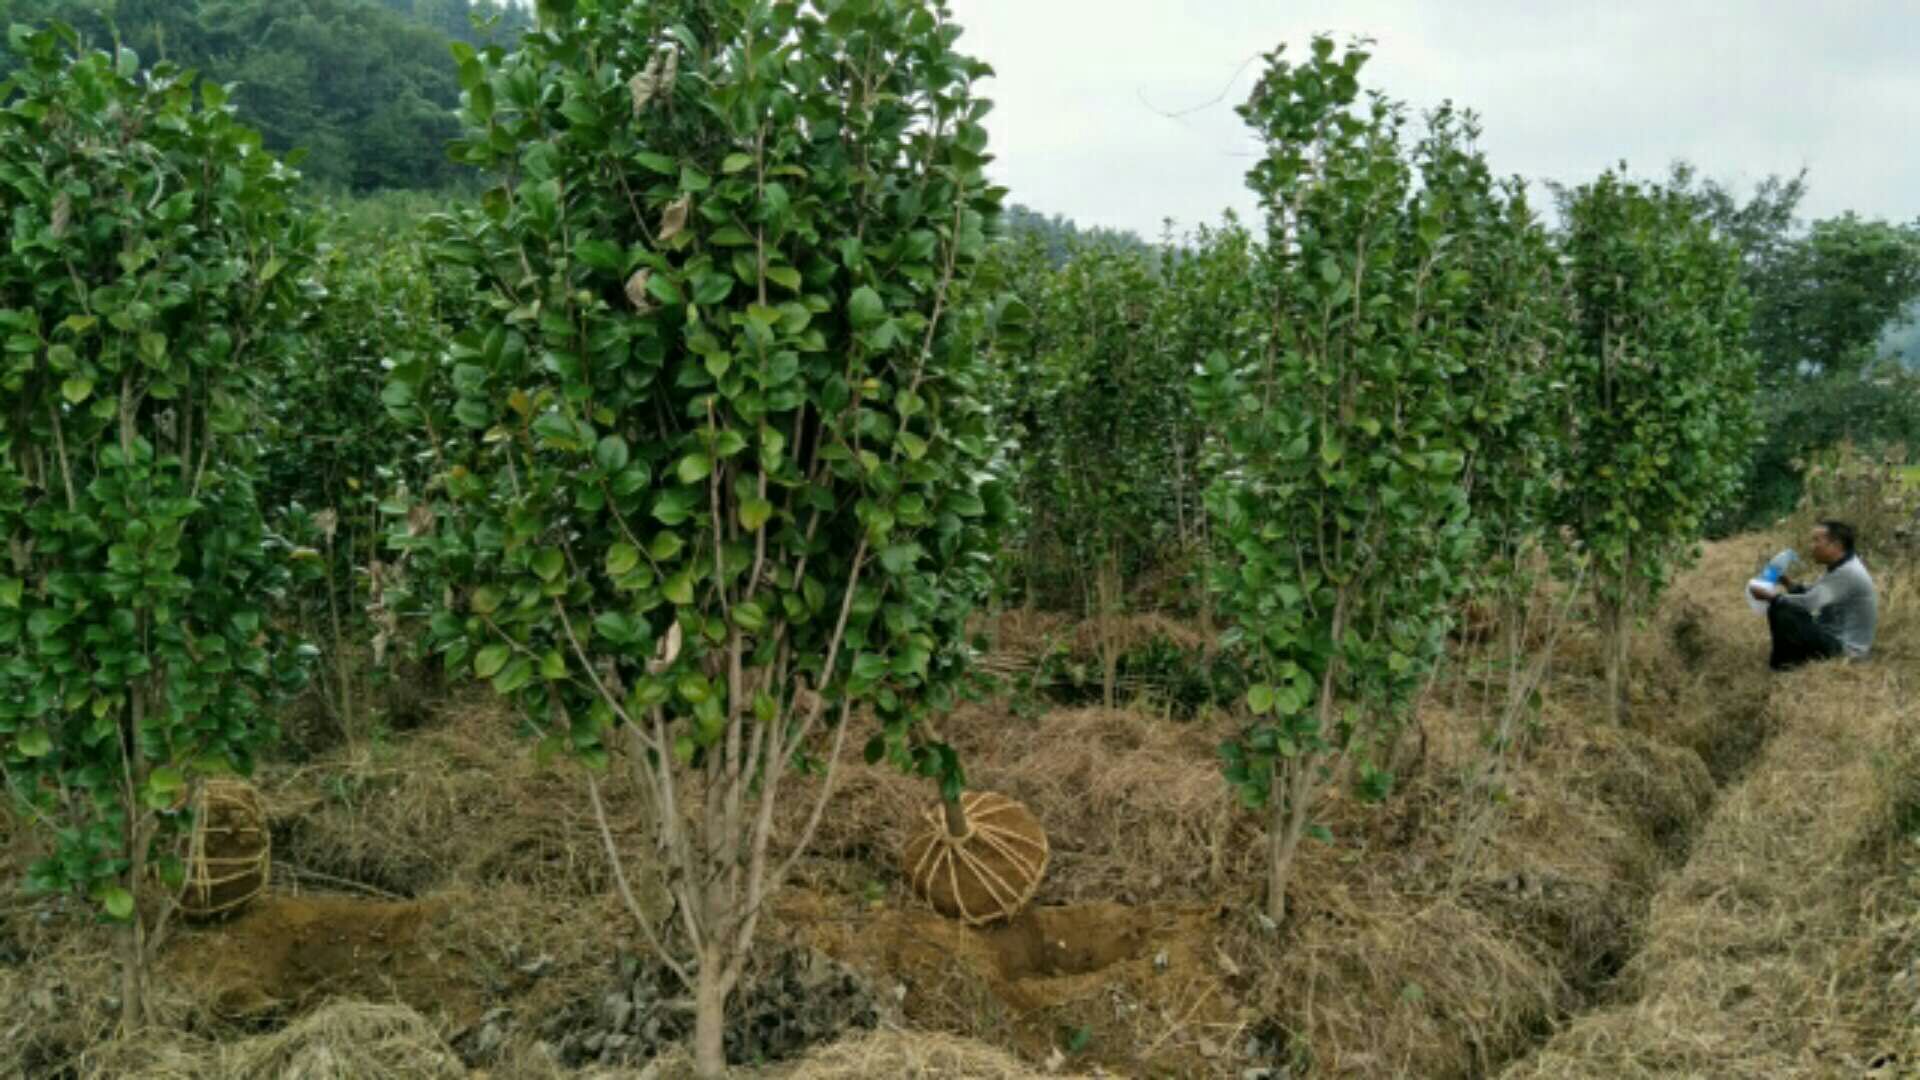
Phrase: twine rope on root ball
{"type": "Point", "coordinates": [229, 853]}
{"type": "Point", "coordinates": [987, 873]}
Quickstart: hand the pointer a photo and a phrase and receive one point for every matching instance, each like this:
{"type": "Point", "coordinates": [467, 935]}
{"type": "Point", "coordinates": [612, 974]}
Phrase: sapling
{"type": "Point", "coordinates": [716, 462]}
{"type": "Point", "coordinates": [1338, 504]}
{"type": "Point", "coordinates": [1660, 389]}
{"type": "Point", "coordinates": [149, 276]}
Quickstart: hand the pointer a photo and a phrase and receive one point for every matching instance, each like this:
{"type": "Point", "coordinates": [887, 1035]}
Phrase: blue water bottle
{"type": "Point", "coordinates": [1777, 566]}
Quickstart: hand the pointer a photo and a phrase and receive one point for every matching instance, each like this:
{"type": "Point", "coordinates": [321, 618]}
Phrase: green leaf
{"type": "Point", "coordinates": [517, 675]}
{"type": "Point", "coordinates": [749, 616]}
{"type": "Point", "coordinates": [735, 163]}
{"type": "Point", "coordinates": [621, 559]}
{"type": "Point", "coordinates": [548, 564]}
{"type": "Point", "coordinates": [611, 453]}
{"type": "Point", "coordinates": [488, 661]}
{"type": "Point", "coordinates": [118, 902]}
{"type": "Point", "coordinates": [166, 780]}
{"type": "Point", "coordinates": [754, 513]}
{"type": "Point", "coordinates": [486, 600]}
{"type": "Point", "coordinates": [659, 163]}
{"type": "Point", "coordinates": [665, 546]}
{"type": "Point", "coordinates": [694, 468]}
{"type": "Point", "coordinates": [1260, 699]}
{"type": "Point", "coordinates": [679, 590]}
{"type": "Point", "coordinates": [77, 389]}
{"type": "Point", "coordinates": [33, 743]}
{"type": "Point", "coordinates": [11, 591]}
{"type": "Point", "coordinates": [899, 558]}
{"type": "Point", "coordinates": [865, 308]}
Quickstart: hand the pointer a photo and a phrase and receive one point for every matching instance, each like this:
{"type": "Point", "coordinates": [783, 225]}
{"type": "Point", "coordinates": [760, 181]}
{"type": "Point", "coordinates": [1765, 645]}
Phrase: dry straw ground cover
{"type": "Point", "coordinates": [1718, 888]}
{"type": "Point", "coordinates": [1786, 945]}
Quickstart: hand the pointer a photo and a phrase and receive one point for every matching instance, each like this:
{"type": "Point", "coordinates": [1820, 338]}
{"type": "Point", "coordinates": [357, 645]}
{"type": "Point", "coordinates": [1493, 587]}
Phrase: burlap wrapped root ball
{"type": "Point", "coordinates": [229, 854]}
{"type": "Point", "coordinates": [987, 875]}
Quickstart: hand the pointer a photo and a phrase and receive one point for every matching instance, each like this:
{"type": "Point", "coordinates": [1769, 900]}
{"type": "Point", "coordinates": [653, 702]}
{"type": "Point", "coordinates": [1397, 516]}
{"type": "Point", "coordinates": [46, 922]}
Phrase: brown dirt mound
{"type": "Point", "coordinates": [449, 957]}
{"type": "Point", "coordinates": [1138, 986]}
{"type": "Point", "coordinates": [287, 953]}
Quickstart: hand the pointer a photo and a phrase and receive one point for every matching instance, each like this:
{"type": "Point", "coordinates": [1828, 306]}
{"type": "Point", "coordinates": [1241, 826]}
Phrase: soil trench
{"type": "Point", "coordinates": [1728, 743]}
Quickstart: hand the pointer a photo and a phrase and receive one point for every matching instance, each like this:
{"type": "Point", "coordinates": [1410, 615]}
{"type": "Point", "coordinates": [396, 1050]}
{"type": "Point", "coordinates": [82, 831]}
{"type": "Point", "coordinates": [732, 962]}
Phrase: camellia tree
{"type": "Point", "coordinates": [1512, 330]}
{"type": "Point", "coordinates": [1339, 508]}
{"type": "Point", "coordinates": [1660, 390]}
{"type": "Point", "coordinates": [1096, 453]}
{"type": "Point", "coordinates": [149, 276]}
{"type": "Point", "coordinates": [716, 468]}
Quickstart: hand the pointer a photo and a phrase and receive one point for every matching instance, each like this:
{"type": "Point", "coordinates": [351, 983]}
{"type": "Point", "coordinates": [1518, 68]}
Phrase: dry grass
{"type": "Point", "coordinates": [1132, 804]}
{"type": "Point", "coordinates": [911, 1056]}
{"type": "Point", "coordinates": [1785, 946]}
{"type": "Point", "coordinates": [460, 803]}
{"type": "Point", "coordinates": [1766, 935]}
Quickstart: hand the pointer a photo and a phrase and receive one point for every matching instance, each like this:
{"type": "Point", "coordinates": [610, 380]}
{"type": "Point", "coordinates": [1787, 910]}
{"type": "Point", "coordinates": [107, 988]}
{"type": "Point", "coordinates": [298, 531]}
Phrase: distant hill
{"type": "Point", "coordinates": [1059, 235]}
{"type": "Point", "coordinates": [368, 87]}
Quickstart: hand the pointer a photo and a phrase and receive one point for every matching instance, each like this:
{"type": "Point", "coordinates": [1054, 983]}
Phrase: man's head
{"type": "Point", "coordinates": [1832, 542]}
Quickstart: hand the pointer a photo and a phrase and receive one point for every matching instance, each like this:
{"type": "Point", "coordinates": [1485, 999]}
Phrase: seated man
{"type": "Point", "coordinates": [1836, 617]}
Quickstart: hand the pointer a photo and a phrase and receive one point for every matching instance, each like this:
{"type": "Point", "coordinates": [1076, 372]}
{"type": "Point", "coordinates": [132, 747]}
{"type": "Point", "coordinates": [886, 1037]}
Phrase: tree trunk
{"type": "Point", "coordinates": [1283, 835]}
{"type": "Point", "coordinates": [710, 1019]}
{"type": "Point", "coordinates": [1107, 591]}
{"type": "Point", "coordinates": [1618, 628]}
{"type": "Point", "coordinates": [957, 825]}
{"type": "Point", "coordinates": [133, 977]}
{"type": "Point", "coordinates": [131, 942]}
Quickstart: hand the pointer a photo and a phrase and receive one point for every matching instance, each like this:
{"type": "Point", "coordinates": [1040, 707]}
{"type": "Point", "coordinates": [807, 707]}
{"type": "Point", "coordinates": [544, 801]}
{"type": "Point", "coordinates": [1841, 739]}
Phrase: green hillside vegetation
{"type": "Point", "coordinates": [366, 87]}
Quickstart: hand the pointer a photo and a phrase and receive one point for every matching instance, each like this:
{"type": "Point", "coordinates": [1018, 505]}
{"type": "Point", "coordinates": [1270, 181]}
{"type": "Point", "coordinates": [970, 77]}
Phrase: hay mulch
{"type": "Point", "coordinates": [1400, 958]}
{"type": "Point", "coordinates": [1385, 969]}
{"type": "Point", "coordinates": [1786, 945]}
{"type": "Point", "coordinates": [459, 803]}
{"type": "Point", "coordinates": [345, 1039]}
{"type": "Point", "coordinates": [913, 1055]}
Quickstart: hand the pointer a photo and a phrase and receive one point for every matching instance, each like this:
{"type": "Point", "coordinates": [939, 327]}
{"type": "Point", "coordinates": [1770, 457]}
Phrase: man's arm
{"type": "Point", "coordinates": [1786, 589]}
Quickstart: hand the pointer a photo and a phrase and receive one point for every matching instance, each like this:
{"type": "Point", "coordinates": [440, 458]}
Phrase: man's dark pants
{"type": "Point", "coordinates": [1797, 638]}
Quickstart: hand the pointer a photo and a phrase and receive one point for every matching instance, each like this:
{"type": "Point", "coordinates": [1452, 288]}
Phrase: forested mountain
{"type": "Point", "coordinates": [366, 86]}
{"type": "Point", "coordinates": [1061, 235]}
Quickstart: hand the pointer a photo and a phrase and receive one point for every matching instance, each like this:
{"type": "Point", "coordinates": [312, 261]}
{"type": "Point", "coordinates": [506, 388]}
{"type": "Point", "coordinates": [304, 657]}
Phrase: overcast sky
{"type": "Point", "coordinates": [1083, 86]}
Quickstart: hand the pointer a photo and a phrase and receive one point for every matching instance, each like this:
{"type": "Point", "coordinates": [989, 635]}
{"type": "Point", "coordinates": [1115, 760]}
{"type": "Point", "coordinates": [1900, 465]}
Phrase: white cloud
{"type": "Point", "coordinates": [1765, 86]}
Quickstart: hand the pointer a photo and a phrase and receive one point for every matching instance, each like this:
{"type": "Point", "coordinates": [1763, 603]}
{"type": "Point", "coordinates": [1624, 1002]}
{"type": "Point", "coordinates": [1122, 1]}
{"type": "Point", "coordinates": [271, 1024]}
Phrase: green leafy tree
{"type": "Point", "coordinates": [1660, 389]}
{"type": "Point", "coordinates": [1098, 453]}
{"type": "Point", "coordinates": [714, 455]}
{"type": "Point", "coordinates": [1205, 305]}
{"type": "Point", "coordinates": [366, 88]}
{"type": "Point", "coordinates": [1339, 506]}
{"type": "Point", "coordinates": [1511, 330]}
{"type": "Point", "coordinates": [335, 466]}
{"type": "Point", "coordinates": [1819, 314]}
{"type": "Point", "coordinates": [150, 275]}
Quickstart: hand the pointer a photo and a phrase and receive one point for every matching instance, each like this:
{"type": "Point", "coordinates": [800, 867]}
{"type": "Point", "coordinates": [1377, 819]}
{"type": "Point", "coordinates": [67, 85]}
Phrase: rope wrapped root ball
{"type": "Point", "coordinates": [229, 854]}
{"type": "Point", "coordinates": [985, 875]}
